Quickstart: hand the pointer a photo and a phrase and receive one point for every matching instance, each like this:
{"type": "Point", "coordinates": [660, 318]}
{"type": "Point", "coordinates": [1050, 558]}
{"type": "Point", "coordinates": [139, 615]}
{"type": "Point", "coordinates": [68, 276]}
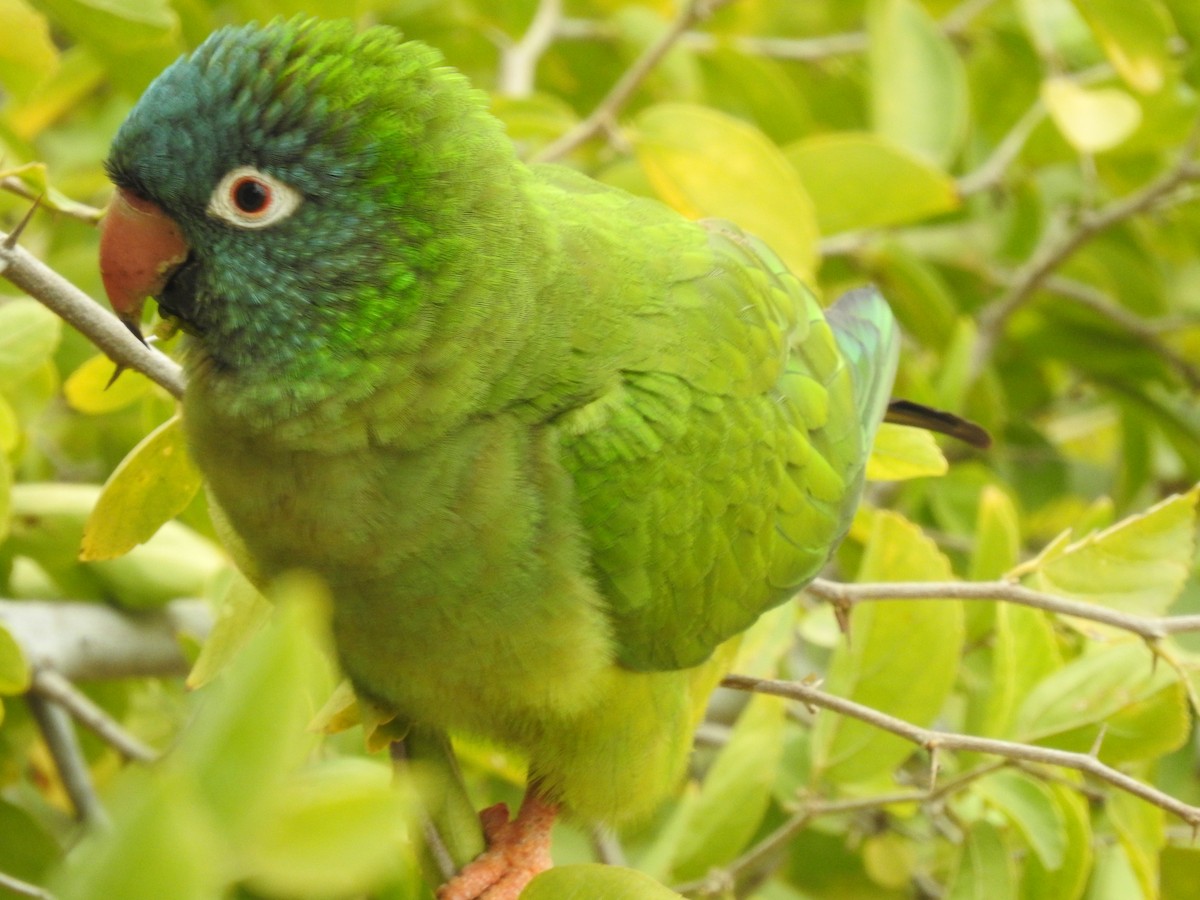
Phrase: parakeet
{"type": "Point", "coordinates": [551, 446]}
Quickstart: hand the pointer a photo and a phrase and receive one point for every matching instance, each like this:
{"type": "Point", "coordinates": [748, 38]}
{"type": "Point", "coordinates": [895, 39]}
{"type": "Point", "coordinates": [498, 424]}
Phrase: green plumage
{"type": "Point", "coordinates": [550, 445]}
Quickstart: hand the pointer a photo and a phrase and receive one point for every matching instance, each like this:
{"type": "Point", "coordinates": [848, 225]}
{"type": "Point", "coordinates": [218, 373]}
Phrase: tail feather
{"type": "Point", "coordinates": [905, 412]}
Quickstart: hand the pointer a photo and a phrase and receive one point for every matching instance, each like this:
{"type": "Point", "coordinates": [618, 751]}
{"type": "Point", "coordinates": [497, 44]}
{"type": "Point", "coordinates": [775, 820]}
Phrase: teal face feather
{"type": "Point", "coordinates": [343, 144]}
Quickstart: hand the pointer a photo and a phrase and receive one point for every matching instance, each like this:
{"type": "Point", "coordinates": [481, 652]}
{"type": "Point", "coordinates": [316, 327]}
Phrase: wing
{"type": "Point", "coordinates": [717, 475]}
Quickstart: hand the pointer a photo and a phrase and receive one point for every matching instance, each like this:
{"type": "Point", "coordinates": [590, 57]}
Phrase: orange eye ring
{"type": "Point", "coordinates": [251, 196]}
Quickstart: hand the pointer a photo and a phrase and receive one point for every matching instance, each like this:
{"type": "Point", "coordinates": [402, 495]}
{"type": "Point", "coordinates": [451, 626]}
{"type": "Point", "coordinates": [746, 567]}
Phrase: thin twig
{"type": "Point", "coordinates": [518, 61]}
{"type": "Point", "coordinates": [49, 684]}
{"type": "Point", "coordinates": [929, 739]}
{"type": "Point", "coordinates": [63, 744]}
{"type": "Point", "coordinates": [93, 321]}
{"type": "Point", "coordinates": [1152, 628]}
{"type": "Point", "coordinates": [605, 114]}
{"type": "Point", "coordinates": [1055, 249]}
{"type": "Point", "coordinates": [74, 208]}
{"type": "Point", "coordinates": [24, 888]}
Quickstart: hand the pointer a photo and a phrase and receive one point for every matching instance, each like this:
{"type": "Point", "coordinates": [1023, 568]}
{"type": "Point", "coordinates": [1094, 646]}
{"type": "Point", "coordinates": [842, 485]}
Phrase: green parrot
{"type": "Point", "coordinates": [551, 446]}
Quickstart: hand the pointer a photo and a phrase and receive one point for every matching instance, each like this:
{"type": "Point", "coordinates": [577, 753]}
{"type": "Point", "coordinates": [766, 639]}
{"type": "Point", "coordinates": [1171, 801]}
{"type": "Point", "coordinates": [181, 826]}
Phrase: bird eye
{"type": "Point", "coordinates": [249, 198]}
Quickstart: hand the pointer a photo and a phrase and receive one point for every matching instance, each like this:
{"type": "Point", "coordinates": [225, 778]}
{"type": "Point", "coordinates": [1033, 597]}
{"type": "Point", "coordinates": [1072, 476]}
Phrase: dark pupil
{"type": "Point", "coordinates": [251, 196]}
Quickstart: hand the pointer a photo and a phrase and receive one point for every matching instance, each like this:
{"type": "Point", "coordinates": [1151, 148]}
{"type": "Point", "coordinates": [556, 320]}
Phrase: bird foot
{"type": "Point", "coordinates": [517, 851]}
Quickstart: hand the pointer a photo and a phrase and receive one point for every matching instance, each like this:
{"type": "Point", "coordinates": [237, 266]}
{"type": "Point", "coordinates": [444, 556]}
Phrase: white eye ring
{"type": "Point", "coordinates": [249, 198]}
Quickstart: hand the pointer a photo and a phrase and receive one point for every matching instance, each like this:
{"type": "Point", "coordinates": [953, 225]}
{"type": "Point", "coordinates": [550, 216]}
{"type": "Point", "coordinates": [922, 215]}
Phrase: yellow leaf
{"type": "Point", "coordinates": [88, 388]}
{"type": "Point", "coordinates": [901, 452]}
{"type": "Point", "coordinates": [1092, 121]}
{"type": "Point", "coordinates": [151, 485]}
{"type": "Point", "coordinates": [706, 163]}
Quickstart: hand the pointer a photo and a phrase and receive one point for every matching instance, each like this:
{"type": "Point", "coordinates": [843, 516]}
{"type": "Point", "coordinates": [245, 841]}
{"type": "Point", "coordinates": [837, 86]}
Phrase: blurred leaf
{"type": "Point", "coordinates": [865, 181]}
{"type": "Point", "coordinates": [1031, 807]}
{"type": "Point", "coordinates": [15, 676]}
{"type": "Point", "coordinates": [243, 611]}
{"type": "Point", "coordinates": [918, 83]}
{"type": "Point", "coordinates": [29, 335]}
{"type": "Point", "coordinates": [900, 452]}
{"type": "Point", "coordinates": [985, 867]}
{"type": "Point", "coordinates": [90, 388]}
{"type": "Point", "coordinates": [1142, 707]}
{"type": "Point", "coordinates": [251, 729]}
{"type": "Point", "coordinates": [151, 485]}
{"type": "Point", "coordinates": [26, 62]}
{"type": "Point", "coordinates": [1091, 119]}
{"type": "Point", "coordinates": [1113, 877]}
{"type": "Point", "coordinates": [1142, 830]}
{"type": "Point", "coordinates": [592, 881]}
{"type": "Point", "coordinates": [336, 829]}
{"type": "Point", "coordinates": [705, 163]}
{"type": "Point", "coordinates": [1067, 880]}
{"type": "Point", "coordinates": [10, 430]}
{"type": "Point", "coordinates": [736, 791]}
{"type": "Point", "coordinates": [1138, 565]}
{"type": "Point", "coordinates": [997, 536]}
{"type": "Point", "coordinates": [1059, 31]}
{"type": "Point", "coordinates": [1136, 37]}
{"type": "Point", "coordinates": [876, 666]}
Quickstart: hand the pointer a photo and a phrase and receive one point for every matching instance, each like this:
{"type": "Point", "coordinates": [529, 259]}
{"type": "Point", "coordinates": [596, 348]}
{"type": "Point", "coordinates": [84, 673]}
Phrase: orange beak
{"type": "Point", "coordinates": [140, 246]}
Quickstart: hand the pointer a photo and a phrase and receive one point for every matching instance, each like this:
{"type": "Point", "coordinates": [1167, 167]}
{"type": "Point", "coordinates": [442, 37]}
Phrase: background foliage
{"type": "Point", "coordinates": [1018, 176]}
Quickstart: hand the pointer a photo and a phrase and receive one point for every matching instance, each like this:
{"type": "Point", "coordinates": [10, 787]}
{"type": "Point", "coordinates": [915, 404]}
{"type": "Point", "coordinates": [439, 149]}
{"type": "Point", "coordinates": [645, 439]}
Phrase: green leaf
{"type": "Point", "coordinates": [877, 666]}
{"type": "Point", "coordinates": [6, 485]}
{"type": "Point", "coordinates": [10, 428]}
{"type": "Point", "coordinates": [1031, 807]}
{"type": "Point", "coordinates": [15, 676]}
{"type": "Point", "coordinates": [997, 536]}
{"type": "Point", "coordinates": [1138, 565]}
{"type": "Point", "coordinates": [706, 163]}
{"type": "Point", "coordinates": [250, 731]}
{"type": "Point", "coordinates": [1136, 38]}
{"type": "Point", "coordinates": [335, 829]}
{"type": "Point", "coordinates": [161, 845]}
{"type": "Point", "coordinates": [900, 453]}
{"type": "Point", "coordinates": [29, 335]}
{"type": "Point", "coordinates": [1091, 119]}
{"type": "Point", "coordinates": [1142, 830]}
{"type": "Point", "coordinates": [859, 180]}
{"type": "Point", "coordinates": [918, 82]}
{"type": "Point", "coordinates": [242, 613]}
{"type": "Point", "coordinates": [1142, 706]}
{"type": "Point", "coordinates": [90, 388]}
{"type": "Point", "coordinates": [592, 881]}
{"type": "Point", "coordinates": [1067, 880]}
{"type": "Point", "coordinates": [1113, 876]}
{"type": "Point", "coordinates": [25, 63]}
{"type": "Point", "coordinates": [150, 486]}
{"type": "Point", "coordinates": [736, 792]}
{"type": "Point", "coordinates": [985, 867]}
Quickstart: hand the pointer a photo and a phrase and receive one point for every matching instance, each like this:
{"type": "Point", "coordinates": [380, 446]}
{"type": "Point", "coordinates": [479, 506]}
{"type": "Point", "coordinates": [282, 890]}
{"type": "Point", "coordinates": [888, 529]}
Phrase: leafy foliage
{"type": "Point", "coordinates": [1018, 176]}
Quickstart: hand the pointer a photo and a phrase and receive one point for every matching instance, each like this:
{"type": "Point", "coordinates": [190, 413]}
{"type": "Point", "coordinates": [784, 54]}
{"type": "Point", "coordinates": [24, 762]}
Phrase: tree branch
{"type": "Point", "coordinates": [63, 744]}
{"type": "Point", "coordinates": [24, 888]}
{"type": "Point", "coordinates": [87, 641]}
{"type": "Point", "coordinates": [943, 740]}
{"type": "Point", "coordinates": [1152, 628]}
{"type": "Point", "coordinates": [518, 61]}
{"type": "Point", "coordinates": [605, 114]}
{"type": "Point", "coordinates": [53, 686]}
{"type": "Point", "coordinates": [1056, 249]}
{"type": "Point", "coordinates": [93, 321]}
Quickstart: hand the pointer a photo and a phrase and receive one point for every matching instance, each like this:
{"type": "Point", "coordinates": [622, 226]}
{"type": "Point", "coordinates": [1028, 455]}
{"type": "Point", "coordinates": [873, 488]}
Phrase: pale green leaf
{"type": "Point", "coordinates": [859, 180]}
{"type": "Point", "coordinates": [1142, 830]}
{"type": "Point", "coordinates": [15, 676]}
{"type": "Point", "coordinates": [592, 881]}
{"type": "Point", "coordinates": [1023, 650]}
{"type": "Point", "coordinates": [985, 867]}
{"type": "Point", "coordinates": [1141, 706]}
{"type": "Point", "coordinates": [997, 536]}
{"type": "Point", "coordinates": [24, 63]}
{"type": "Point", "coordinates": [250, 731]}
{"type": "Point", "coordinates": [150, 486]}
{"type": "Point", "coordinates": [878, 667]}
{"type": "Point", "coordinates": [890, 859]}
{"type": "Point", "coordinates": [1113, 876]}
{"type": "Point", "coordinates": [900, 453]}
{"type": "Point", "coordinates": [1058, 30]}
{"type": "Point", "coordinates": [241, 615]}
{"type": "Point", "coordinates": [1091, 119]}
{"type": "Point", "coordinates": [918, 82]}
{"type": "Point", "coordinates": [1068, 880]}
{"type": "Point", "coordinates": [335, 829]}
{"type": "Point", "coordinates": [736, 792]}
{"type": "Point", "coordinates": [10, 428]}
{"type": "Point", "coordinates": [6, 487]}
{"type": "Point", "coordinates": [1031, 807]}
{"type": "Point", "coordinates": [90, 388]}
{"type": "Point", "coordinates": [705, 163]}
{"type": "Point", "coordinates": [1138, 565]}
{"type": "Point", "coordinates": [29, 335]}
{"type": "Point", "coordinates": [1136, 38]}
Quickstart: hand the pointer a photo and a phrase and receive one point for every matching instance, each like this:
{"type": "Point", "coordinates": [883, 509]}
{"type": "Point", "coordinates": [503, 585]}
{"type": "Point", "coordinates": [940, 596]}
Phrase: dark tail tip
{"type": "Point", "coordinates": [905, 412]}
